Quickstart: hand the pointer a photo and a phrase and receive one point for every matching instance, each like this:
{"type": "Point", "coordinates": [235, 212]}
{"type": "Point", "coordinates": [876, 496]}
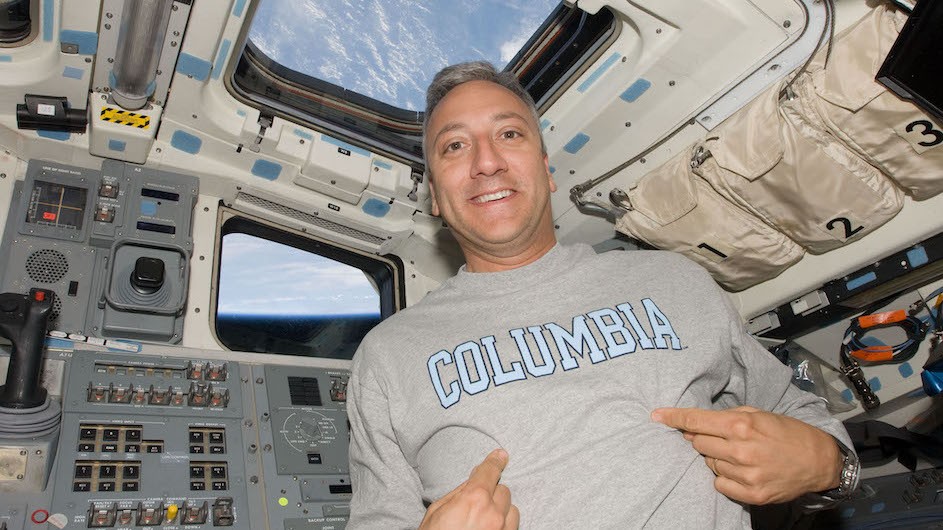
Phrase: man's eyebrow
{"type": "Point", "coordinates": [455, 125]}
{"type": "Point", "coordinates": [507, 116]}
{"type": "Point", "coordinates": [448, 127]}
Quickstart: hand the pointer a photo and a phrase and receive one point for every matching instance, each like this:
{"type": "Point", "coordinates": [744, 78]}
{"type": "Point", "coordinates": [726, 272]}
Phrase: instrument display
{"type": "Point", "coordinates": [56, 205]}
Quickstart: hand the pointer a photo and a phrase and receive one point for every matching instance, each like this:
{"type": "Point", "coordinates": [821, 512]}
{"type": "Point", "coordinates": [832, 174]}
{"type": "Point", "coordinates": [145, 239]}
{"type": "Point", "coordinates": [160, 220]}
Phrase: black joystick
{"type": "Point", "coordinates": [148, 275]}
{"type": "Point", "coordinates": [23, 320]}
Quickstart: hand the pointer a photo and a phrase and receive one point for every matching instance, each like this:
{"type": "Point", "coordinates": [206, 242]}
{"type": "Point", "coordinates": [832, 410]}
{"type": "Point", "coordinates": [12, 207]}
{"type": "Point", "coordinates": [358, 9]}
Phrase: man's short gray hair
{"type": "Point", "coordinates": [457, 74]}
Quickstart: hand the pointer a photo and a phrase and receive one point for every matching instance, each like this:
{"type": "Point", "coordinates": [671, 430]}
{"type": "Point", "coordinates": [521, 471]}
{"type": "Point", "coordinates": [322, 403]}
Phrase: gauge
{"type": "Point", "coordinates": [56, 205]}
{"type": "Point", "coordinates": [308, 430]}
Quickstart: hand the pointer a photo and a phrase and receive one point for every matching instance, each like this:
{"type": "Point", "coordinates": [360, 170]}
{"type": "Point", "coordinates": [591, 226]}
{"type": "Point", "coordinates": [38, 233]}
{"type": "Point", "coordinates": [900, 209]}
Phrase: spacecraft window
{"type": "Point", "coordinates": [290, 295]}
{"type": "Point", "coordinates": [359, 68]}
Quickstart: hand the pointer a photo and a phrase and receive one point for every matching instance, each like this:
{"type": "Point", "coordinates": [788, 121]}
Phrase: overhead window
{"type": "Point", "coordinates": [360, 68]}
{"type": "Point", "coordinates": [283, 293]}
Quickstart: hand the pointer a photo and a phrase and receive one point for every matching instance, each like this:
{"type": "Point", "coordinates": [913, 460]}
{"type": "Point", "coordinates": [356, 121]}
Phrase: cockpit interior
{"type": "Point", "coordinates": [207, 204]}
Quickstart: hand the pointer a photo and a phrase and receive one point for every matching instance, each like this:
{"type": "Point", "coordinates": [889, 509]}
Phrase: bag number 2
{"type": "Point", "coordinates": [846, 224]}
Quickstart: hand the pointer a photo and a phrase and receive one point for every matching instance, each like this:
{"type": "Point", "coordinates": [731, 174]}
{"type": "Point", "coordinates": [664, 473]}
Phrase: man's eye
{"type": "Point", "coordinates": [454, 146]}
{"type": "Point", "coordinates": [510, 134]}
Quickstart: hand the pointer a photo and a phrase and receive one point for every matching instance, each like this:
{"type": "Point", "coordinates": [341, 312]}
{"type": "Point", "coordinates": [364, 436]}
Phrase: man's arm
{"type": "Point", "coordinates": [778, 444]}
{"type": "Point", "coordinates": [759, 457]}
{"type": "Point", "coordinates": [386, 489]}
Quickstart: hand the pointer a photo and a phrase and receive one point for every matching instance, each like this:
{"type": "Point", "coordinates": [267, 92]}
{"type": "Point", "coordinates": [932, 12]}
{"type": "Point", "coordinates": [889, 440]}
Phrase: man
{"type": "Point", "coordinates": [551, 366]}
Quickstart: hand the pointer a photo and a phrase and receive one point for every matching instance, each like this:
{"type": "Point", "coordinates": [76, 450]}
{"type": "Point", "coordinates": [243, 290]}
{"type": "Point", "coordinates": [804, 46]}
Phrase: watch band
{"type": "Point", "coordinates": [848, 476]}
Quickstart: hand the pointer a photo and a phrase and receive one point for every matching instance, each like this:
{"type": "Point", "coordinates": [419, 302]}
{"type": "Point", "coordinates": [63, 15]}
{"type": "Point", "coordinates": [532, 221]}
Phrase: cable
{"type": "Point", "coordinates": [915, 329]}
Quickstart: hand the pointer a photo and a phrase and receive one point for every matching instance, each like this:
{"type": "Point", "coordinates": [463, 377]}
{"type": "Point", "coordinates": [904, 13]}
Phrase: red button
{"type": "Point", "coordinates": [49, 216]}
{"type": "Point", "coordinates": [39, 296]}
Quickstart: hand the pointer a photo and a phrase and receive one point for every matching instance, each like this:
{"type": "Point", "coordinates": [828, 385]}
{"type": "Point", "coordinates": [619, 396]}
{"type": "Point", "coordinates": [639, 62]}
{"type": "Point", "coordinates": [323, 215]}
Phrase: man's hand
{"type": "Point", "coordinates": [758, 457]}
{"type": "Point", "coordinates": [479, 503]}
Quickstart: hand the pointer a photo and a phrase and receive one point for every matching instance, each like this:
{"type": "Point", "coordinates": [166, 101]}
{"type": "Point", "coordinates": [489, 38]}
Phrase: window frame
{"type": "Point", "coordinates": [385, 271]}
{"type": "Point", "coordinates": [257, 80]}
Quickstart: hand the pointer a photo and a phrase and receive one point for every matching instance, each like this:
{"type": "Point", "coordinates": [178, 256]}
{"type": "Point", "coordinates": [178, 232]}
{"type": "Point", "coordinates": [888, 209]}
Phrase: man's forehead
{"type": "Point", "coordinates": [474, 98]}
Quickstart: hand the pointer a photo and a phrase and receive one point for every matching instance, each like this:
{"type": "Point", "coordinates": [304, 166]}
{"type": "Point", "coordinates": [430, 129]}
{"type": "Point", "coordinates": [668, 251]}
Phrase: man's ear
{"type": "Point", "coordinates": [553, 185]}
{"type": "Point", "coordinates": [435, 205]}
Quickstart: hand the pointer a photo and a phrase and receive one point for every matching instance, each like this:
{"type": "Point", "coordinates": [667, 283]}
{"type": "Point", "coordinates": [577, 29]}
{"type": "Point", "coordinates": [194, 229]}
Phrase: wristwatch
{"type": "Point", "coordinates": [849, 475]}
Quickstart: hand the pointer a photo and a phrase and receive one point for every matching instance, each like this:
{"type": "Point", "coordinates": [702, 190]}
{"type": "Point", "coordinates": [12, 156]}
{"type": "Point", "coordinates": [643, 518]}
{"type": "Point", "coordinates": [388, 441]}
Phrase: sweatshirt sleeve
{"type": "Point", "coordinates": [386, 489]}
{"type": "Point", "coordinates": [762, 381]}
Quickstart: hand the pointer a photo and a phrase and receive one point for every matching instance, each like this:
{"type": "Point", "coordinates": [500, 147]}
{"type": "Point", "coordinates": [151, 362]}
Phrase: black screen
{"type": "Point", "coordinates": [913, 69]}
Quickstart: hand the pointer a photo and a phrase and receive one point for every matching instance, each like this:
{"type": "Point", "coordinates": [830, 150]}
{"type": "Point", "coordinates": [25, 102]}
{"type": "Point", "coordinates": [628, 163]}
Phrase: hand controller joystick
{"type": "Point", "coordinates": [23, 320]}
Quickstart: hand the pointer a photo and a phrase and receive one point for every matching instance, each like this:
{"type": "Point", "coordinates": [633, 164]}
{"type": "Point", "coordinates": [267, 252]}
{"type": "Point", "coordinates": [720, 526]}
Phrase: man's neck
{"type": "Point", "coordinates": [477, 261]}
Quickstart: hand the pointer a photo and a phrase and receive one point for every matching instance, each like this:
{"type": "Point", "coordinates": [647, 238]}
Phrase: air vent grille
{"type": "Point", "coordinates": [308, 218]}
{"type": "Point", "coordinates": [47, 266]}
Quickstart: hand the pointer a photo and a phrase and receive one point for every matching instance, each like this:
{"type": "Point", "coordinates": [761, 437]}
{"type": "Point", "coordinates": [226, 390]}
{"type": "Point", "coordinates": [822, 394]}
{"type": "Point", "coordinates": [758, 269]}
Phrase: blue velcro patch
{"type": "Point", "coordinates": [302, 134]}
{"type": "Point", "coordinates": [117, 145]}
{"type": "Point", "coordinates": [86, 41]}
{"type": "Point", "coordinates": [221, 57]}
{"type": "Point", "coordinates": [635, 90]}
{"type": "Point", "coordinates": [344, 145]}
{"type": "Point", "coordinates": [577, 143]}
{"type": "Point", "coordinates": [148, 207]}
{"type": "Point", "coordinates": [186, 142]}
{"type": "Point", "coordinates": [905, 370]}
{"type": "Point", "coordinates": [544, 123]}
{"type": "Point", "coordinates": [917, 256]}
{"type": "Point", "coordinates": [6, 59]}
{"type": "Point", "coordinates": [864, 279]}
{"type": "Point", "coordinates": [194, 67]}
{"type": "Point", "coordinates": [73, 72]}
{"type": "Point", "coordinates": [49, 10]}
{"type": "Point", "coordinates": [237, 9]}
{"type": "Point", "coordinates": [875, 383]}
{"type": "Point", "coordinates": [267, 170]}
{"type": "Point", "coordinates": [384, 165]}
{"type": "Point", "coordinates": [878, 507]}
{"type": "Point", "coordinates": [598, 73]}
{"type": "Point", "coordinates": [54, 135]}
{"type": "Point", "coordinates": [847, 395]}
{"type": "Point", "coordinates": [375, 207]}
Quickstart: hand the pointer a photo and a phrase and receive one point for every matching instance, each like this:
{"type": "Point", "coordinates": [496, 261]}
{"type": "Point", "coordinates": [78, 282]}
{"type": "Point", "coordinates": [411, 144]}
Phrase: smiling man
{"type": "Point", "coordinates": [580, 390]}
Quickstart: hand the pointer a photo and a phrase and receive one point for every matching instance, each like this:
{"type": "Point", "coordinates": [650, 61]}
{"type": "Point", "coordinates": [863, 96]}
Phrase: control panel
{"type": "Point", "coordinates": [905, 500]}
{"type": "Point", "coordinates": [179, 440]}
{"type": "Point", "coordinates": [113, 245]}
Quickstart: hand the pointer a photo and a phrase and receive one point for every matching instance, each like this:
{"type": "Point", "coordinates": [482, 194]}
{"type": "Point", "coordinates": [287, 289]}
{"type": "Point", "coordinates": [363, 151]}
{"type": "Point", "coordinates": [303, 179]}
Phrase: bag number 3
{"type": "Point", "coordinates": [922, 135]}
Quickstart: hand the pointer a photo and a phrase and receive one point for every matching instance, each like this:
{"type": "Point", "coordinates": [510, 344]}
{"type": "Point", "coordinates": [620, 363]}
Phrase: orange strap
{"type": "Point", "coordinates": [874, 354]}
{"type": "Point", "coordinates": [877, 319]}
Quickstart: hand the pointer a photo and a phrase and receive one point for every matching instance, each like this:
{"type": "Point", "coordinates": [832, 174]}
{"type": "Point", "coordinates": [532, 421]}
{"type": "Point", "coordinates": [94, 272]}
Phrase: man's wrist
{"type": "Point", "coordinates": [848, 474]}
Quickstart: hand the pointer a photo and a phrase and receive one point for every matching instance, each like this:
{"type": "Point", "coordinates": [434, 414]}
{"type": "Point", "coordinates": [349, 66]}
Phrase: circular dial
{"type": "Point", "coordinates": [307, 430]}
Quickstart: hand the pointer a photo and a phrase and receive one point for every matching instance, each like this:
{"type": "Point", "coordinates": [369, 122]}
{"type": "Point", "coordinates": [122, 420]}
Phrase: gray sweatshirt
{"type": "Point", "coordinates": [560, 363]}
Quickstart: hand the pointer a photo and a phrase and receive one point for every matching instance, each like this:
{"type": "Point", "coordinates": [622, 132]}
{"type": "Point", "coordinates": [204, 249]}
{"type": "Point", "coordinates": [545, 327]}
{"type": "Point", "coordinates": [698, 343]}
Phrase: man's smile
{"type": "Point", "coordinates": [492, 196]}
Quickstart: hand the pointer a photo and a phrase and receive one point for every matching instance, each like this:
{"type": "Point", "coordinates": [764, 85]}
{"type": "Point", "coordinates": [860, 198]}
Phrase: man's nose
{"type": "Point", "coordinates": [488, 159]}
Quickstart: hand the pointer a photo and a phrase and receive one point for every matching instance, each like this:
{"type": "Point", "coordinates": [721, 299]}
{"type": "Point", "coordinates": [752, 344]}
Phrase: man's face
{"type": "Point", "coordinates": [490, 179]}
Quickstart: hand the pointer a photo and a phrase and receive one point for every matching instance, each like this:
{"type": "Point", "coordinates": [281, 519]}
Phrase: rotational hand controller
{"type": "Point", "coordinates": [23, 320]}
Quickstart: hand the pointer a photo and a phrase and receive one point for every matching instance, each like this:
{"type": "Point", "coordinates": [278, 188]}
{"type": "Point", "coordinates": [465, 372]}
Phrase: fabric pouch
{"type": "Point", "coordinates": [892, 134]}
{"type": "Point", "coordinates": [672, 209]}
{"type": "Point", "coordinates": [772, 160]}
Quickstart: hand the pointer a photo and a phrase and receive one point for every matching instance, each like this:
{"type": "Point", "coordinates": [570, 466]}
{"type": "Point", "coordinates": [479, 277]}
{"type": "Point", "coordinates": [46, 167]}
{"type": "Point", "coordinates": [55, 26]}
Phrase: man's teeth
{"type": "Point", "coordinates": [492, 196]}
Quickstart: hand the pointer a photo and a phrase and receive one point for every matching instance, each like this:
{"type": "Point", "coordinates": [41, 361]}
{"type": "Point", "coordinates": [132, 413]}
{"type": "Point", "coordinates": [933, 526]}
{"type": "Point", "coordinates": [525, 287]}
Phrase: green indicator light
{"type": "Point", "coordinates": [282, 501]}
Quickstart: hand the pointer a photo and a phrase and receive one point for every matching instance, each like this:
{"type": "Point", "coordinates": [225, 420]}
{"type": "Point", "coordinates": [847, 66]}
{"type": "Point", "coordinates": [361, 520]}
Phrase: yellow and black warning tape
{"type": "Point", "coordinates": [123, 117]}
